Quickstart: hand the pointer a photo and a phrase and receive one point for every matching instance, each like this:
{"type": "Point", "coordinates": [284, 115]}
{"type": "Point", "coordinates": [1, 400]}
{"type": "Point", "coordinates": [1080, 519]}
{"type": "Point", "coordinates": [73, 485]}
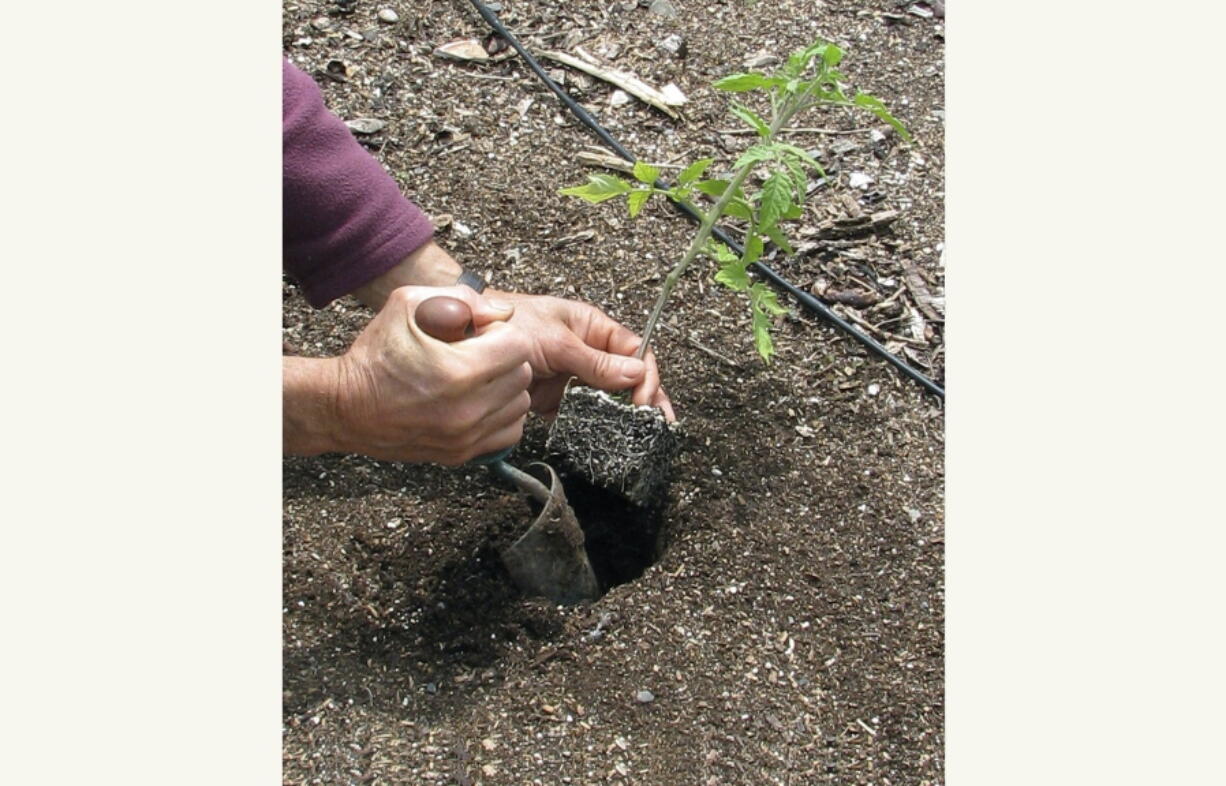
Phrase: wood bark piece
{"type": "Point", "coordinates": [858, 225]}
{"type": "Point", "coordinates": [933, 307]}
{"type": "Point", "coordinates": [627, 81]}
{"type": "Point", "coordinates": [610, 161]}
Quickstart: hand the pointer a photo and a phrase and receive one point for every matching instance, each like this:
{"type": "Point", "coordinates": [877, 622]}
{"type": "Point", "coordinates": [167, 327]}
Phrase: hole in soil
{"type": "Point", "coordinates": [622, 539]}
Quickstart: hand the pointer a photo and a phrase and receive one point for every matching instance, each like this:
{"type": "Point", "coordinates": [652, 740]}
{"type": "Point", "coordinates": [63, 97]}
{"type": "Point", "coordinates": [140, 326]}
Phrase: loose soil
{"type": "Point", "coordinates": [785, 623]}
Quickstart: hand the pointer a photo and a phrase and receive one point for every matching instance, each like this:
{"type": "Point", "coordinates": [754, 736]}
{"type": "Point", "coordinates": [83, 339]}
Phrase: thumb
{"type": "Point", "coordinates": [487, 310]}
{"type": "Point", "coordinates": [605, 370]}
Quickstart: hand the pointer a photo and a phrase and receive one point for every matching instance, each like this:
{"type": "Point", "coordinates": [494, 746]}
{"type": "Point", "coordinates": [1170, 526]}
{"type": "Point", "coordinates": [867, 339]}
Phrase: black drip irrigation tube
{"type": "Point", "coordinates": [807, 300]}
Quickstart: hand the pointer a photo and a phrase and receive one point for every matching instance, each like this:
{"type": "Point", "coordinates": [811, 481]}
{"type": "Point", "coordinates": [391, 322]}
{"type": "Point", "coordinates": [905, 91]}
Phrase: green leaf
{"type": "Point", "coordinates": [645, 172]}
{"type": "Point", "coordinates": [764, 298]}
{"type": "Point", "coordinates": [796, 152]}
{"type": "Point", "coordinates": [720, 252]}
{"type": "Point", "coordinates": [779, 239]}
{"type": "Point", "coordinates": [764, 305]}
{"type": "Point", "coordinates": [832, 55]}
{"type": "Point", "coordinates": [879, 109]}
{"type": "Point", "coordinates": [715, 188]}
{"type": "Point", "coordinates": [637, 199]}
{"type": "Point", "coordinates": [753, 155]}
{"type": "Point", "coordinates": [738, 209]}
{"type": "Point", "coordinates": [598, 188]}
{"type": "Point", "coordinates": [733, 276]}
{"type": "Point", "coordinates": [752, 119]}
{"type": "Point", "coordinates": [694, 171]}
{"type": "Point", "coordinates": [799, 60]}
{"type": "Point", "coordinates": [739, 83]}
{"type": "Point", "coordinates": [753, 248]}
{"type": "Point", "coordinates": [776, 199]}
{"type": "Point", "coordinates": [762, 335]}
{"type": "Point", "coordinates": [800, 183]}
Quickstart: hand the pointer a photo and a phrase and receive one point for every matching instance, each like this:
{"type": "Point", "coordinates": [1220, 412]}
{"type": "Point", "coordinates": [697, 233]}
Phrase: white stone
{"type": "Point", "coordinates": [388, 15]}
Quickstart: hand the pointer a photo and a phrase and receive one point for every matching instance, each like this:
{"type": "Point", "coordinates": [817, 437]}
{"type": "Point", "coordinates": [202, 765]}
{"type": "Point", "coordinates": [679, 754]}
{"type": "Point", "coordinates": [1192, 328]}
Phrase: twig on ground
{"type": "Point", "coordinates": [740, 131]}
{"type": "Point", "coordinates": [609, 161]}
{"type": "Point", "coordinates": [623, 79]}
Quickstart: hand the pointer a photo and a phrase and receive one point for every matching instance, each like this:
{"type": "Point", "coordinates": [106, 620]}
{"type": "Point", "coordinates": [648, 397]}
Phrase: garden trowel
{"type": "Point", "coordinates": [549, 559]}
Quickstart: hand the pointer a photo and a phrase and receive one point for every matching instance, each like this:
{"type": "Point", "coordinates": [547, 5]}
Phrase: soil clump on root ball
{"type": "Point", "coordinates": [618, 447]}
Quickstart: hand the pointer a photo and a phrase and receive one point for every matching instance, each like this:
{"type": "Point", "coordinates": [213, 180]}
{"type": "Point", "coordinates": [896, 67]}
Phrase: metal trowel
{"type": "Point", "coordinates": [549, 559]}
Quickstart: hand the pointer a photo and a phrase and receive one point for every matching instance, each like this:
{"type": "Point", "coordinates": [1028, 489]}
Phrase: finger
{"type": "Point", "coordinates": [599, 369]}
{"type": "Point", "coordinates": [483, 310]}
{"type": "Point", "coordinates": [498, 392]}
{"type": "Point", "coordinates": [662, 401]}
{"type": "Point", "coordinates": [546, 394]}
{"type": "Point", "coordinates": [498, 349]}
{"type": "Point", "coordinates": [505, 435]}
{"type": "Point", "coordinates": [645, 392]}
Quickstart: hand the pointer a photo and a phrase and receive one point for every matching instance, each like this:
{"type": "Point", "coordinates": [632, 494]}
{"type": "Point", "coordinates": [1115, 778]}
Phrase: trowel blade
{"type": "Point", "coordinates": [550, 560]}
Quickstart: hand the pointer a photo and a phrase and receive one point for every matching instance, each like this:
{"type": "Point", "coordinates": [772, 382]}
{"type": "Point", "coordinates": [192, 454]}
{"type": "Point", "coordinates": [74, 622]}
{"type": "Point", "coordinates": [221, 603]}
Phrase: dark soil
{"type": "Point", "coordinates": [790, 629]}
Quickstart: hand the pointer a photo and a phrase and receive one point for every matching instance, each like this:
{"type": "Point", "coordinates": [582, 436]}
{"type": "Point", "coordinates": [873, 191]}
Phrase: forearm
{"type": "Point", "coordinates": [308, 405]}
{"type": "Point", "coordinates": [428, 266]}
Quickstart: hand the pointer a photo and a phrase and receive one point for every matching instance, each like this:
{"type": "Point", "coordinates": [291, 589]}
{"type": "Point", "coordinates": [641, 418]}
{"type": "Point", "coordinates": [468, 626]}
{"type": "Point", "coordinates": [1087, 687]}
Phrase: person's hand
{"type": "Point", "coordinates": [570, 338]}
{"type": "Point", "coordinates": [405, 396]}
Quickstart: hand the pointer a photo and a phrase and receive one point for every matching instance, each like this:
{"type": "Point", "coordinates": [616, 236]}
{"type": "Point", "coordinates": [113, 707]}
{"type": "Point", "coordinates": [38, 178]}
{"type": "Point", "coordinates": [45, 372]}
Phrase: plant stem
{"type": "Point", "coordinates": [700, 239]}
{"type": "Point", "coordinates": [704, 229]}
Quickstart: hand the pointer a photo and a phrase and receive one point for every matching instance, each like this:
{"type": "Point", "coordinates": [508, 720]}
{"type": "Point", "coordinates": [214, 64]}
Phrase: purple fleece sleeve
{"type": "Point", "coordinates": [344, 219]}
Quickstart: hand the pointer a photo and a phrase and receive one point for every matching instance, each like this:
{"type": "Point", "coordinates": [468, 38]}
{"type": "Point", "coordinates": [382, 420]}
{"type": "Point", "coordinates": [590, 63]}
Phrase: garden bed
{"type": "Point", "coordinates": [787, 625]}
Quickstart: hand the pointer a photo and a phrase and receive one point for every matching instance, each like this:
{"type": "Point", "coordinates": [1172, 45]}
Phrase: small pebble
{"type": "Point", "coordinates": [389, 16]}
{"type": "Point", "coordinates": [393, 524]}
{"type": "Point", "coordinates": [874, 389]}
{"type": "Point", "coordinates": [663, 8]}
{"type": "Point", "coordinates": [618, 98]}
{"type": "Point", "coordinates": [717, 472]}
{"type": "Point", "coordinates": [674, 45]}
{"type": "Point", "coordinates": [859, 180]}
{"type": "Point", "coordinates": [644, 697]}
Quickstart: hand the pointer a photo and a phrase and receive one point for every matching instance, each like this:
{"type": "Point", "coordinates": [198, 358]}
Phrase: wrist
{"type": "Point", "coordinates": [428, 266]}
{"type": "Point", "coordinates": [309, 396]}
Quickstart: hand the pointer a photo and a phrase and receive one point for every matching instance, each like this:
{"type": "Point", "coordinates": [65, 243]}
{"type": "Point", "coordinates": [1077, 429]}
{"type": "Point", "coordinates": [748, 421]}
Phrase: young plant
{"type": "Point", "coordinates": [809, 78]}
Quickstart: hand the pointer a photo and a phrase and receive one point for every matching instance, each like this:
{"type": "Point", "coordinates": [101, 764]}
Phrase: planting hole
{"type": "Point", "coordinates": [622, 539]}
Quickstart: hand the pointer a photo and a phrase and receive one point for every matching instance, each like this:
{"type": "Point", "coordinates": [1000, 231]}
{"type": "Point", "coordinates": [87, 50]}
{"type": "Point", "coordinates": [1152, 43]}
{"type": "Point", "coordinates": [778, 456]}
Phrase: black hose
{"type": "Point", "coordinates": [807, 300]}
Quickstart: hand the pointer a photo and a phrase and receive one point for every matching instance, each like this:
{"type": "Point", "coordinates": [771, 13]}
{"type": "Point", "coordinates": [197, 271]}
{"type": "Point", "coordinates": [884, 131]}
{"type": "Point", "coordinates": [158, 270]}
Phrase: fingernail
{"type": "Point", "coordinates": [631, 368]}
{"type": "Point", "coordinates": [500, 305]}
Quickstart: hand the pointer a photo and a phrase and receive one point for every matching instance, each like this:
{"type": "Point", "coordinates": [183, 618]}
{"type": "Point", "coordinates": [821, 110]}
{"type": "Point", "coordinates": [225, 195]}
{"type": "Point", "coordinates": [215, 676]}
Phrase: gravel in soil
{"type": "Point", "coordinates": [789, 626]}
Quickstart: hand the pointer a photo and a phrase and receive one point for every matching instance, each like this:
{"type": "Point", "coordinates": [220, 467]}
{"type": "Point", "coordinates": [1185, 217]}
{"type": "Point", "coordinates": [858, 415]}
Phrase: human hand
{"type": "Point", "coordinates": [403, 395]}
{"type": "Point", "coordinates": [570, 338]}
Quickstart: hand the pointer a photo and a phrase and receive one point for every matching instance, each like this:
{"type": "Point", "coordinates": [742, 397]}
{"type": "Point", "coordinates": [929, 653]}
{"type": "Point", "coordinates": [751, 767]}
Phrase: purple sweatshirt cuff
{"type": "Point", "coordinates": [344, 220]}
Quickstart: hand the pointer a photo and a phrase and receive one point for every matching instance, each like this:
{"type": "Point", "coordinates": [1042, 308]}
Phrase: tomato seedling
{"type": "Point", "coordinates": [809, 78]}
